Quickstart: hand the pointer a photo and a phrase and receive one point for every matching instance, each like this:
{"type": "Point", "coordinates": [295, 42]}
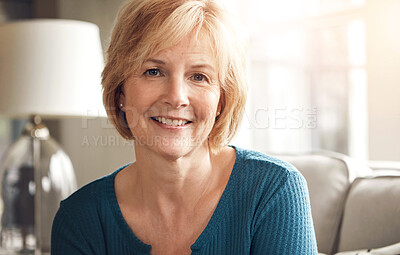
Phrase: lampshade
{"type": "Point", "coordinates": [47, 68]}
{"type": "Point", "coordinates": [50, 68]}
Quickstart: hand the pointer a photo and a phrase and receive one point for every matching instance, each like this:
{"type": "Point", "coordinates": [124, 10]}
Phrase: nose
{"type": "Point", "coordinates": [175, 94]}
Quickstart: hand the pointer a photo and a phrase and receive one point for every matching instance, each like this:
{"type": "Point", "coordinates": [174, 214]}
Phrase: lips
{"type": "Point", "coordinates": [171, 122]}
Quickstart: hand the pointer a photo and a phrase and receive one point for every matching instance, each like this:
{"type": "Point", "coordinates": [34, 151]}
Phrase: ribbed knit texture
{"type": "Point", "coordinates": [264, 209]}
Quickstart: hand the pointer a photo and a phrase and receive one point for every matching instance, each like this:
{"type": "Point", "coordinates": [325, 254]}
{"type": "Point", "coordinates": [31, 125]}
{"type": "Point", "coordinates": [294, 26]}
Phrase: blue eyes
{"type": "Point", "coordinates": [154, 72]}
{"type": "Point", "coordinates": [199, 77]}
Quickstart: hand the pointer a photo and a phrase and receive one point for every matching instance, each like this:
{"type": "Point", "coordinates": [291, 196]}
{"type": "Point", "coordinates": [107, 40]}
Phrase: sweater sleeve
{"type": "Point", "coordinates": [284, 224]}
{"type": "Point", "coordinates": [66, 237]}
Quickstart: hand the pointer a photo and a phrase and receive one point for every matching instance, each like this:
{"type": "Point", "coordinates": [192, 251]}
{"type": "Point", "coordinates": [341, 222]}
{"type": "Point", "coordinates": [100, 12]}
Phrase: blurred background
{"type": "Point", "coordinates": [323, 75]}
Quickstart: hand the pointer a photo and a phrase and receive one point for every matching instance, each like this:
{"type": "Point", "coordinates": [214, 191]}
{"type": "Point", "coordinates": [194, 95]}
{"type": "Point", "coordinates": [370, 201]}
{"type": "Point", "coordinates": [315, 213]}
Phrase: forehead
{"type": "Point", "coordinates": [191, 46]}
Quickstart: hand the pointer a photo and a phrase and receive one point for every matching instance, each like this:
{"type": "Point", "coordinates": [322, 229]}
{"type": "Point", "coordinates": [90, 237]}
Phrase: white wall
{"type": "Point", "coordinates": [94, 147]}
{"type": "Point", "coordinates": [100, 12]}
{"type": "Point", "coordinates": [383, 68]}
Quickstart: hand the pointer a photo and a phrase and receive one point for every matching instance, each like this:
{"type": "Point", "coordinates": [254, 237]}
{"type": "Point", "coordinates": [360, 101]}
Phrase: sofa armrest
{"type": "Point", "coordinates": [329, 178]}
{"type": "Point", "coordinates": [371, 217]}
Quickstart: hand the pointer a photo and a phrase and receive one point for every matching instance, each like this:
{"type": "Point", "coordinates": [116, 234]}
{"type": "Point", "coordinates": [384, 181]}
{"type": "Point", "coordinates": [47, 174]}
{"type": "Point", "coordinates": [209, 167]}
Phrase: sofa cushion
{"type": "Point", "coordinates": [372, 213]}
{"type": "Point", "coordinates": [328, 178]}
{"type": "Point", "coordinates": [393, 249]}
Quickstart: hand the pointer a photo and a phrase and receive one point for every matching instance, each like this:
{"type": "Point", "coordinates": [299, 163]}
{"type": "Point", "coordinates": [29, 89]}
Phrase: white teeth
{"type": "Point", "coordinates": [171, 122]}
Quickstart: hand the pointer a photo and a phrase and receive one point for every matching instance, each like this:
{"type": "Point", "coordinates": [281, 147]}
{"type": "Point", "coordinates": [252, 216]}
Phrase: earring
{"type": "Point", "coordinates": [121, 105]}
{"type": "Point", "coordinates": [218, 113]}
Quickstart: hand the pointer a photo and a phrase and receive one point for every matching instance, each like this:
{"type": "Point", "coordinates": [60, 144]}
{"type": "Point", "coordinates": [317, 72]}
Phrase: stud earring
{"type": "Point", "coordinates": [121, 105]}
{"type": "Point", "coordinates": [218, 113]}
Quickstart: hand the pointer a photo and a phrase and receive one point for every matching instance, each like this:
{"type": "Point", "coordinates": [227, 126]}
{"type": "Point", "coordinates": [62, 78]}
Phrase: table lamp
{"type": "Point", "coordinates": [48, 68]}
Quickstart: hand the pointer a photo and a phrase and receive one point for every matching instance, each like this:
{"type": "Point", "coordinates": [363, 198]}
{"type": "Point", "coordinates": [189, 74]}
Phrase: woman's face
{"type": "Point", "coordinates": [172, 101]}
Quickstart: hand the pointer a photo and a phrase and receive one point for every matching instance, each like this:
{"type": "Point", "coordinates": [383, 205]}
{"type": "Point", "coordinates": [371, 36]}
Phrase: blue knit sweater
{"type": "Point", "coordinates": [264, 209]}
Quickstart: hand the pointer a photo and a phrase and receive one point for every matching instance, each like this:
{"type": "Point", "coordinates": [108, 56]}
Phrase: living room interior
{"type": "Point", "coordinates": [324, 87]}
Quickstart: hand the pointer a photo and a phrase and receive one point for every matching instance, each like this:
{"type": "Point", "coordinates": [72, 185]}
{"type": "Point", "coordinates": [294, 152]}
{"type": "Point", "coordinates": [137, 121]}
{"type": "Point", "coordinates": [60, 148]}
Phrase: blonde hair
{"type": "Point", "coordinates": [145, 27]}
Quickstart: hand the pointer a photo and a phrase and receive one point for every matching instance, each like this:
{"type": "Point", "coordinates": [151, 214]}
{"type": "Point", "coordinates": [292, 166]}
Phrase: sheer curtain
{"type": "Point", "coordinates": [307, 76]}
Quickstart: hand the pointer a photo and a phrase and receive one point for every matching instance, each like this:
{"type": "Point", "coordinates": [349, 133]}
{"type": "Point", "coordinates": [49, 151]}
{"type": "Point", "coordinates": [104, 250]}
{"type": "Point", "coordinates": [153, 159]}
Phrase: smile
{"type": "Point", "coordinates": [170, 122]}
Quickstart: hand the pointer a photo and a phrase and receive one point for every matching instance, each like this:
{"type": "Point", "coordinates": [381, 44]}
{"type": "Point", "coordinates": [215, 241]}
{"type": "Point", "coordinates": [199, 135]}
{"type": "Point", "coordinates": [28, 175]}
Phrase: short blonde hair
{"type": "Point", "coordinates": [145, 27]}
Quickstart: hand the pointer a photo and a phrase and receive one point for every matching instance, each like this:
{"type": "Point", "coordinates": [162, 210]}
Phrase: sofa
{"type": "Point", "coordinates": [355, 209]}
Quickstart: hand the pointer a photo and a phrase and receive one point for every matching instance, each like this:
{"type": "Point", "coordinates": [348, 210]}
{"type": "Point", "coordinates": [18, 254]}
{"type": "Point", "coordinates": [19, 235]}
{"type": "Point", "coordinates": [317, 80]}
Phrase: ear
{"type": "Point", "coordinates": [121, 100]}
{"type": "Point", "coordinates": [219, 107]}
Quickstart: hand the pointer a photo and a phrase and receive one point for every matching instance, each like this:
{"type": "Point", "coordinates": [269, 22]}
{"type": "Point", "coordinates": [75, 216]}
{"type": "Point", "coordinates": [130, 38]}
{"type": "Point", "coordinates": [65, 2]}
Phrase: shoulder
{"type": "Point", "coordinates": [80, 219]}
{"type": "Point", "coordinates": [80, 213]}
{"type": "Point", "coordinates": [279, 203]}
{"type": "Point", "coordinates": [87, 217]}
{"type": "Point", "coordinates": [91, 198]}
{"type": "Point", "coordinates": [258, 163]}
{"type": "Point", "coordinates": [87, 195]}
{"type": "Point", "coordinates": [262, 176]}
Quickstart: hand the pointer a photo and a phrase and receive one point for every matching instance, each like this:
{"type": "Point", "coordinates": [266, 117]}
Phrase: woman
{"type": "Point", "coordinates": [174, 83]}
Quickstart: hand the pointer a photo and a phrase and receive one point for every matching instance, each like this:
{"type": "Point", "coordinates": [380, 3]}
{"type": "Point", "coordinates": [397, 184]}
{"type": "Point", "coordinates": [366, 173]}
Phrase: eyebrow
{"type": "Point", "coordinates": [157, 61]}
{"type": "Point", "coordinates": [160, 62]}
{"type": "Point", "coordinates": [203, 66]}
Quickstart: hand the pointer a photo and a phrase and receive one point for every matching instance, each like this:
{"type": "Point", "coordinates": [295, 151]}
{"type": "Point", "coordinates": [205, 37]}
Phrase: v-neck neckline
{"type": "Point", "coordinates": [211, 227]}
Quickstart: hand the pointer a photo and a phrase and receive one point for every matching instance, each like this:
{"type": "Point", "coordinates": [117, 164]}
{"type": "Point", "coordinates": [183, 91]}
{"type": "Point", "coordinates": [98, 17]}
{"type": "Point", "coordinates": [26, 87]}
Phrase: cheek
{"type": "Point", "coordinates": [139, 99]}
{"type": "Point", "coordinates": [207, 106]}
{"type": "Point", "coordinates": [214, 98]}
{"type": "Point", "coordinates": [132, 117]}
{"type": "Point", "coordinates": [137, 103]}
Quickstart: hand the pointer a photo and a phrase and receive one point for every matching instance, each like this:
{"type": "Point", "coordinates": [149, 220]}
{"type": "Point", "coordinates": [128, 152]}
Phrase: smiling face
{"type": "Point", "coordinates": [172, 101]}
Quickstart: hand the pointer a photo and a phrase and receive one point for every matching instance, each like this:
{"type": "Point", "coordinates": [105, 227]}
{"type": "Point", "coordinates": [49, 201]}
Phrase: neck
{"type": "Point", "coordinates": [170, 185]}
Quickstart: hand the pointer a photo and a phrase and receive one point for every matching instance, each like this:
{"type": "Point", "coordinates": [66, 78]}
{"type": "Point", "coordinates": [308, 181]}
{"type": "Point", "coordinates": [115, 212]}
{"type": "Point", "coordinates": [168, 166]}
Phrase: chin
{"type": "Point", "coordinates": [173, 150]}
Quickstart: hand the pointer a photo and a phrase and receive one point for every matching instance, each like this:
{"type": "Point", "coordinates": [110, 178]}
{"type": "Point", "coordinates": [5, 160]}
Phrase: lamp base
{"type": "Point", "coordinates": [36, 174]}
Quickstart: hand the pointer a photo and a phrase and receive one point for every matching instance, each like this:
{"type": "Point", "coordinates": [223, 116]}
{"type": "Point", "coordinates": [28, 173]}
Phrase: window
{"type": "Point", "coordinates": [307, 76]}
